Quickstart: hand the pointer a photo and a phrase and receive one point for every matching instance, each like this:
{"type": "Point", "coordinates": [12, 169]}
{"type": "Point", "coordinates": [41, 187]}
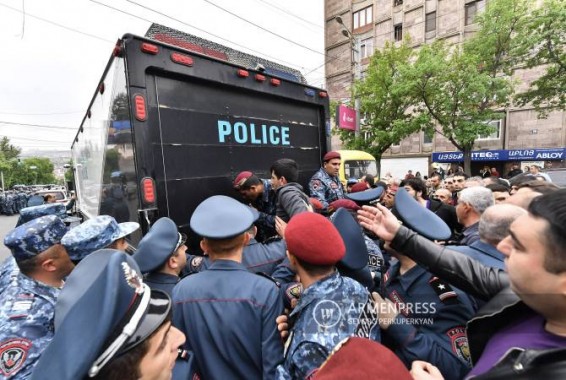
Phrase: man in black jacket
{"type": "Point", "coordinates": [521, 332]}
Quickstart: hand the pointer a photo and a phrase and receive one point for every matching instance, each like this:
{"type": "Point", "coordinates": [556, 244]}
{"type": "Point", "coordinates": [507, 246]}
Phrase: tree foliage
{"type": "Point", "coordinates": [8, 150]}
{"type": "Point", "coordinates": [543, 42]}
{"type": "Point", "coordinates": [385, 102]}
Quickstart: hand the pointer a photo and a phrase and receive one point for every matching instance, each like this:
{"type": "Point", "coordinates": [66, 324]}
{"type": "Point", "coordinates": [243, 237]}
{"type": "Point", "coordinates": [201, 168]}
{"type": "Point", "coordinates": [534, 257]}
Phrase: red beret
{"type": "Point", "coordinates": [360, 186]}
{"type": "Point", "coordinates": [241, 179]}
{"type": "Point", "coordinates": [372, 361]}
{"type": "Point", "coordinates": [314, 239]}
{"type": "Point", "coordinates": [345, 203]}
{"type": "Point", "coordinates": [316, 204]}
{"type": "Point", "coordinates": [330, 155]}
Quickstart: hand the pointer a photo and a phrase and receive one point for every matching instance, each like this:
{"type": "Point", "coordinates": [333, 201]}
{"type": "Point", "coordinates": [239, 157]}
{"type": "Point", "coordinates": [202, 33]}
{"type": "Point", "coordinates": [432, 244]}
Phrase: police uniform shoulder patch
{"type": "Point", "coordinates": [443, 290]}
{"type": "Point", "coordinates": [459, 343]}
{"type": "Point", "coordinates": [13, 353]}
{"type": "Point", "coordinates": [315, 184]}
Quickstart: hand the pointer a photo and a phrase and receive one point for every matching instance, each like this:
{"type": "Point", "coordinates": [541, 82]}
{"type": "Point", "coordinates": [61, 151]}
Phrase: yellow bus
{"type": "Point", "coordinates": [355, 164]}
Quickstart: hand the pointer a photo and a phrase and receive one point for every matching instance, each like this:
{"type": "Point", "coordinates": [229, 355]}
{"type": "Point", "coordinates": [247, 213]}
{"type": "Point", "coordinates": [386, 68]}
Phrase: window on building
{"type": "Point", "coordinates": [366, 47]}
{"type": "Point", "coordinates": [397, 2]}
{"type": "Point", "coordinates": [471, 10]}
{"type": "Point", "coordinates": [398, 32]}
{"type": "Point", "coordinates": [430, 22]}
{"type": "Point", "coordinates": [363, 17]}
{"type": "Point", "coordinates": [496, 133]}
{"type": "Point", "coordinates": [428, 135]}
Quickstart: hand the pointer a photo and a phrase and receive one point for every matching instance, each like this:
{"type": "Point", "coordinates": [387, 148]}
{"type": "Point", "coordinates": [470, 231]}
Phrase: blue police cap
{"type": "Point", "coordinates": [95, 234]}
{"type": "Point", "coordinates": [32, 238]}
{"type": "Point", "coordinates": [30, 213]}
{"type": "Point", "coordinates": [103, 311]}
{"type": "Point", "coordinates": [221, 217]}
{"type": "Point", "coordinates": [351, 181]}
{"type": "Point", "coordinates": [419, 218]}
{"type": "Point", "coordinates": [356, 256]}
{"type": "Point", "coordinates": [366, 196]}
{"type": "Point", "coordinates": [158, 244]}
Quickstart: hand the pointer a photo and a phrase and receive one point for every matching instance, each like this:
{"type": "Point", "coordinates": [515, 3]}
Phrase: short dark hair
{"type": "Point", "coordinates": [416, 184]}
{"type": "Point", "coordinates": [370, 180]}
{"type": "Point", "coordinates": [497, 187]}
{"type": "Point", "coordinates": [461, 174]}
{"type": "Point", "coordinates": [541, 187]}
{"type": "Point", "coordinates": [251, 181]}
{"type": "Point", "coordinates": [552, 208]}
{"type": "Point", "coordinates": [286, 167]}
{"type": "Point", "coordinates": [29, 266]}
{"type": "Point", "coordinates": [521, 178]}
{"type": "Point", "coordinates": [315, 270]}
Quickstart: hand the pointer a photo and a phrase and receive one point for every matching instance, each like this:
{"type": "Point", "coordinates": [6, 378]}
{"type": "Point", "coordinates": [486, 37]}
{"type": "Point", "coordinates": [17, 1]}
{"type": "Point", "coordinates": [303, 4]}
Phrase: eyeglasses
{"type": "Point", "coordinates": [181, 241]}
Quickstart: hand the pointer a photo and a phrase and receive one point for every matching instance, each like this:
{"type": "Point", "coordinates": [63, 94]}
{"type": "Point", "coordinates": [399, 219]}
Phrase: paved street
{"type": "Point", "coordinates": [6, 224]}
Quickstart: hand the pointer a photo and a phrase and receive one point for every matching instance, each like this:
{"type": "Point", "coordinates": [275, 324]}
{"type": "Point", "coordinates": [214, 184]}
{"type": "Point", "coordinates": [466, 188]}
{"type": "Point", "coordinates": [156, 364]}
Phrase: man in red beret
{"type": "Point", "coordinates": [331, 307]}
{"type": "Point", "coordinates": [325, 185]}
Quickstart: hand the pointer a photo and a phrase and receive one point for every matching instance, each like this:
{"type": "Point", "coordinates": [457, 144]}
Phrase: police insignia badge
{"type": "Point", "coordinates": [13, 353]}
{"type": "Point", "coordinates": [443, 290]}
{"type": "Point", "coordinates": [196, 262]}
{"type": "Point", "coordinates": [133, 279]}
{"type": "Point", "coordinates": [459, 341]}
{"type": "Point", "coordinates": [316, 184]}
{"type": "Point", "coordinates": [368, 319]}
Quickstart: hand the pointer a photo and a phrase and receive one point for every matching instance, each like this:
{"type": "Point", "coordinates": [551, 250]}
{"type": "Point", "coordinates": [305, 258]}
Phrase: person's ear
{"type": "Point", "coordinates": [172, 262]}
{"type": "Point", "coordinates": [49, 265]}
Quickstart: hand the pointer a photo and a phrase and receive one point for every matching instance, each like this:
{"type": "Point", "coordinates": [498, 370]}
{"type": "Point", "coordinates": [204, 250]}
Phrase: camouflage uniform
{"type": "Point", "coordinates": [325, 188]}
{"type": "Point", "coordinates": [266, 207]}
{"type": "Point", "coordinates": [8, 271]}
{"type": "Point", "coordinates": [26, 325]}
{"type": "Point", "coordinates": [328, 311]}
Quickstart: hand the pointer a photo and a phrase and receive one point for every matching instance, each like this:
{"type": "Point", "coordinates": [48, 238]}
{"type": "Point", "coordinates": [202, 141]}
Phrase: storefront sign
{"type": "Point", "coordinates": [503, 155]}
{"type": "Point", "coordinates": [346, 117]}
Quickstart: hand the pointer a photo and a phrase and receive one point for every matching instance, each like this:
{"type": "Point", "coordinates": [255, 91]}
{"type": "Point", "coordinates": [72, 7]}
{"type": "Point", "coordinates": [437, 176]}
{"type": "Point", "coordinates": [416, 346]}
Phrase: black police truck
{"type": "Point", "coordinates": [175, 118]}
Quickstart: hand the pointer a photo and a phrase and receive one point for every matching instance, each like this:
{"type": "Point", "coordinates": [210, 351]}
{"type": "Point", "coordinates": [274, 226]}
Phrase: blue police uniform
{"type": "Point", "coordinates": [8, 272]}
{"type": "Point", "coordinates": [26, 319]}
{"type": "Point", "coordinates": [27, 305]}
{"type": "Point", "coordinates": [431, 325]}
{"type": "Point", "coordinates": [328, 311]}
{"type": "Point", "coordinates": [266, 207]}
{"type": "Point", "coordinates": [155, 249]}
{"type": "Point", "coordinates": [227, 313]}
{"type": "Point", "coordinates": [325, 188]}
{"type": "Point", "coordinates": [29, 213]}
{"type": "Point", "coordinates": [257, 257]}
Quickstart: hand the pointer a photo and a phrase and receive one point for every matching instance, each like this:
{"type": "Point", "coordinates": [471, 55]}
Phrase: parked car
{"type": "Point", "coordinates": [558, 176]}
{"type": "Point", "coordinates": [61, 196]}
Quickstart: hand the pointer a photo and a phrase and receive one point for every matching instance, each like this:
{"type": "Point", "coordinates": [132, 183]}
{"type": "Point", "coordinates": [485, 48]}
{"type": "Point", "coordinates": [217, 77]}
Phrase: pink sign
{"type": "Point", "coordinates": [346, 117]}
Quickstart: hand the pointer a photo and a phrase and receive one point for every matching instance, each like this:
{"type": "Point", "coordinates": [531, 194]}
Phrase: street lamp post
{"type": "Point", "coordinates": [355, 61]}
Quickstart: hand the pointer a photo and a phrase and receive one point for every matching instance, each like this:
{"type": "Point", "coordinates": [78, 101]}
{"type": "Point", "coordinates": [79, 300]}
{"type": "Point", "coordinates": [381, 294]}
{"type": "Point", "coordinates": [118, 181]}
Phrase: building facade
{"type": "Point", "coordinates": [520, 136]}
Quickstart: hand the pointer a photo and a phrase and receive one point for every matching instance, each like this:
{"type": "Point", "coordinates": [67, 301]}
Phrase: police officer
{"type": "Point", "coordinates": [99, 232]}
{"type": "Point", "coordinates": [331, 307]}
{"type": "Point", "coordinates": [325, 185]}
{"type": "Point", "coordinates": [257, 257]}
{"type": "Point", "coordinates": [161, 255]}
{"type": "Point", "coordinates": [227, 313]}
{"type": "Point", "coordinates": [425, 316]}
{"type": "Point", "coordinates": [259, 194]}
{"type": "Point", "coordinates": [110, 325]}
{"type": "Point", "coordinates": [27, 304]}
{"type": "Point", "coordinates": [9, 270]}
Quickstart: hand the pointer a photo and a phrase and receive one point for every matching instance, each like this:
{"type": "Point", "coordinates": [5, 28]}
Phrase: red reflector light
{"type": "Point", "coordinates": [149, 48]}
{"type": "Point", "coordinates": [323, 94]}
{"type": "Point", "coordinates": [275, 82]}
{"type": "Point", "coordinates": [243, 73]}
{"type": "Point", "coordinates": [259, 77]}
{"type": "Point", "coordinates": [181, 59]}
{"type": "Point", "coordinates": [148, 190]}
{"type": "Point", "coordinates": [140, 111]}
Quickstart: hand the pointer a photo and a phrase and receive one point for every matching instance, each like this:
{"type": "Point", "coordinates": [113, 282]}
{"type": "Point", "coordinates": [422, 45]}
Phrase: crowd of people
{"type": "Point", "coordinates": [443, 277]}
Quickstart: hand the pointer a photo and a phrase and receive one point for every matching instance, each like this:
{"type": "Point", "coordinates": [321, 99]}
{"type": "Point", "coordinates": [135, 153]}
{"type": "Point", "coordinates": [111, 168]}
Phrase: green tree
{"type": "Point", "coordinates": [543, 42]}
{"type": "Point", "coordinates": [385, 102]}
{"type": "Point", "coordinates": [10, 151]}
{"type": "Point", "coordinates": [31, 171]}
{"type": "Point", "coordinates": [454, 90]}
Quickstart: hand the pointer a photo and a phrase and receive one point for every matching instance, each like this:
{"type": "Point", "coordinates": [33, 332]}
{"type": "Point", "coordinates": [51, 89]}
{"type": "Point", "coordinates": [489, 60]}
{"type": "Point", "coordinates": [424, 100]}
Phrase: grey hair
{"type": "Point", "coordinates": [478, 197]}
{"type": "Point", "coordinates": [496, 220]}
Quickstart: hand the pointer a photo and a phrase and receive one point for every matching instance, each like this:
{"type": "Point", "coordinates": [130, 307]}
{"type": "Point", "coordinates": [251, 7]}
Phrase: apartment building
{"type": "Point", "coordinates": [520, 137]}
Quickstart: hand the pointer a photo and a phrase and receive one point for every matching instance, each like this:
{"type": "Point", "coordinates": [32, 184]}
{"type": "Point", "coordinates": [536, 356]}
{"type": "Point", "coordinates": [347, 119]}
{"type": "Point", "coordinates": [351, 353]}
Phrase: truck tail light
{"type": "Point", "coordinates": [243, 73]}
{"type": "Point", "coordinates": [148, 190]}
{"type": "Point", "coordinates": [259, 77]}
{"type": "Point", "coordinates": [275, 82]}
{"type": "Point", "coordinates": [181, 59]}
{"type": "Point", "coordinates": [149, 48]}
{"type": "Point", "coordinates": [140, 111]}
{"type": "Point", "coordinates": [323, 94]}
